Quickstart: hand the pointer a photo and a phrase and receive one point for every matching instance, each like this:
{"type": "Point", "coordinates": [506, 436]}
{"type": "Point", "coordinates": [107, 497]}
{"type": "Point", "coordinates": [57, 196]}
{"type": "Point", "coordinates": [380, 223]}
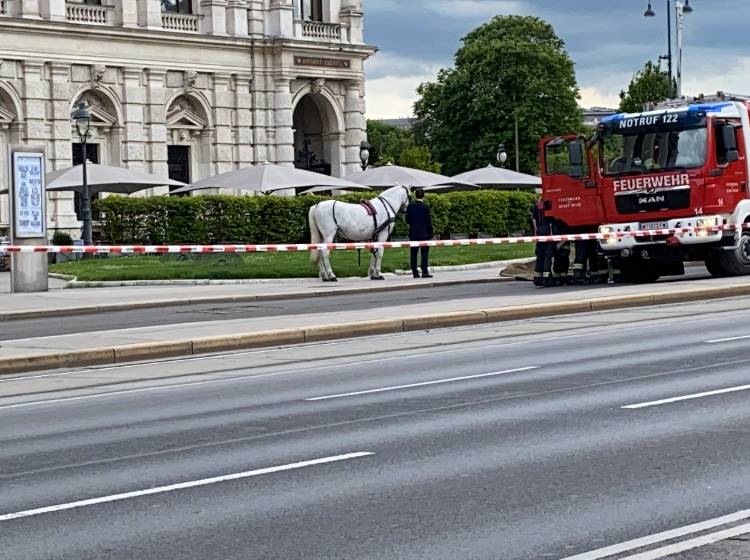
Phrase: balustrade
{"type": "Point", "coordinates": [320, 30]}
{"type": "Point", "coordinates": [87, 13]}
{"type": "Point", "coordinates": [185, 23]}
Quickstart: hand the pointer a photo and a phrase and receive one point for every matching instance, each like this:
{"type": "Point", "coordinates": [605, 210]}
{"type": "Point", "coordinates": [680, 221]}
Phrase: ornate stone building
{"type": "Point", "coordinates": [183, 88]}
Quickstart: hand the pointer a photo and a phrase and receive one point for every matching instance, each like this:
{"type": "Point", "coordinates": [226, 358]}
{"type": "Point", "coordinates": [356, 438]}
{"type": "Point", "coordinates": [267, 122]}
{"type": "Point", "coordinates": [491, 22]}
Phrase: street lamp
{"type": "Point", "coordinates": [651, 13]}
{"type": "Point", "coordinates": [680, 10]}
{"type": "Point", "coordinates": [364, 154]}
{"type": "Point", "coordinates": [502, 155]}
{"type": "Point", "coordinates": [82, 118]}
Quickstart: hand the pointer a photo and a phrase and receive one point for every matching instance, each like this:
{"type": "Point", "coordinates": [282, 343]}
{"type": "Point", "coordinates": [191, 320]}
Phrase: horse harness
{"type": "Point", "coordinates": [372, 211]}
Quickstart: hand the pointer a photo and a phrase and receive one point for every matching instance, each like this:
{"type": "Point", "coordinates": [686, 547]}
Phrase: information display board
{"type": "Point", "coordinates": [29, 197]}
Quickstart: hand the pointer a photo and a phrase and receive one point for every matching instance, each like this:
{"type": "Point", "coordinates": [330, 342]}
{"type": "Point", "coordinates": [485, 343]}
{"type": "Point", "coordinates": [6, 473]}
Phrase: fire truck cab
{"type": "Point", "coordinates": [680, 165]}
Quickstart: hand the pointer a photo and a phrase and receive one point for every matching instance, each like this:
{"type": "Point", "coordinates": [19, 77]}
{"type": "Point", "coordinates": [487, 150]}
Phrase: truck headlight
{"type": "Point", "coordinates": [701, 223]}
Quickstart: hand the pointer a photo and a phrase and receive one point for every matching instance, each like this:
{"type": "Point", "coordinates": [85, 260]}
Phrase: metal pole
{"type": "Point", "coordinates": [518, 150]}
{"type": "Point", "coordinates": [669, 44]}
{"type": "Point", "coordinates": [86, 202]}
{"type": "Point", "coordinates": [679, 15]}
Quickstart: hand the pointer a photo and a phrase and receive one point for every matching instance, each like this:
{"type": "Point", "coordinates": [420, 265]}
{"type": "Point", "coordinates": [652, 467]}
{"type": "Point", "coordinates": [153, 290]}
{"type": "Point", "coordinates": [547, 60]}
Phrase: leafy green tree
{"type": "Point", "coordinates": [391, 144]}
{"type": "Point", "coordinates": [513, 67]}
{"type": "Point", "coordinates": [649, 85]}
{"type": "Point", "coordinates": [419, 157]}
{"type": "Point", "coordinates": [387, 142]}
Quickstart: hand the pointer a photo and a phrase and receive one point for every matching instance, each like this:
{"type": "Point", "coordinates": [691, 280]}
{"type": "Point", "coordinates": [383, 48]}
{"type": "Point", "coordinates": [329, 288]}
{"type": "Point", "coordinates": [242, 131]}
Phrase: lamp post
{"type": "Point", "coordinates": [364, 154]}
{"type": "Point", "coordinates": [680, 10]}
{"type": "Point", "coordinates": [502, 155]}
{"type": "Point", "coordinates": [82, 118]}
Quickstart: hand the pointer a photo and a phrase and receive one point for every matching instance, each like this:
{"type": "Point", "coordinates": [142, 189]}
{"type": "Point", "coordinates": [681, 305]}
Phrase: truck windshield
{"type": "Point", "coordinates": [651, 151]}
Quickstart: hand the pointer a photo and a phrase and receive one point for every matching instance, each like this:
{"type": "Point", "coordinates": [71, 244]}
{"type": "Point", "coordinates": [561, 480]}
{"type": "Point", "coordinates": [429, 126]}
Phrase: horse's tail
{"type": "Point", "coordinates": [315, 234]}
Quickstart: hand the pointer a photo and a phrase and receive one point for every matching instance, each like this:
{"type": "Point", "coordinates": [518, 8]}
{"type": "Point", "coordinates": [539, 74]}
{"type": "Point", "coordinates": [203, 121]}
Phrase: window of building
{"type": "Point", "coordinates": [177, 6]}
{"type": "Point", "coordinates": [312, 10]}
{"type": "Point", "coordinates": [178, 164]}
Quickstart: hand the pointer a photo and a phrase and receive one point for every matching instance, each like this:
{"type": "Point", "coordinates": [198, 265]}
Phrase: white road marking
{"type": "Point", "coordinates": [422, 384]}
{"type": "Point", "coordinates": [688, 397]}
{"type": "Point", "coordinates": [691, 543]}
{"type": "Point", "coordinates": [181, 486]}
{"type": "Point", "coordinates": [718, 340]}
{"type": "Point", "coordinates": [661, 537]}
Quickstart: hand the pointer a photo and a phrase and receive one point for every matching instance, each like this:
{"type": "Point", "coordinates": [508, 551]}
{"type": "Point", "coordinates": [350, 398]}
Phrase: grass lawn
{"type": "Point", "coordinates": [271, 265]}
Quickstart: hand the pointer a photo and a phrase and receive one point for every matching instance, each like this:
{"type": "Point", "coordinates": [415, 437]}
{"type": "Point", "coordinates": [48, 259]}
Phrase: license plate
{"type": "Point", "coordinates": [654, 225]}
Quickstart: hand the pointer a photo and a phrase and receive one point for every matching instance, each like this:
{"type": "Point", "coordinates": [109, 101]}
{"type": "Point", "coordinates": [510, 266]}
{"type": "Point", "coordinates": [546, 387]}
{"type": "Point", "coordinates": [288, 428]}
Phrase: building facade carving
{"type": "Point", "coordinates": [183, 88]}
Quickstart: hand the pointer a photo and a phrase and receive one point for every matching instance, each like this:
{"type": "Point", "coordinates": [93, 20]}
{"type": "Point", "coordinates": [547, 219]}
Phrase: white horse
{"type": "Point", "coordinates": [356, 223]}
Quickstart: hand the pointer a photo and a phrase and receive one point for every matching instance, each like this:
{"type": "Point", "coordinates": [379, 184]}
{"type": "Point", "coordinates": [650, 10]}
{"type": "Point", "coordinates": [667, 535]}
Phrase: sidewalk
{"type": "Point", "coordinates": [59, 301]}
{"type": "Point", "coordinates": [500, 304]}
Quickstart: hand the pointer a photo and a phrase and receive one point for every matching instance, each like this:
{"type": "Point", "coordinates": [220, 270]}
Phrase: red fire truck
{"type": "Point", "coordinates": [681, 165]}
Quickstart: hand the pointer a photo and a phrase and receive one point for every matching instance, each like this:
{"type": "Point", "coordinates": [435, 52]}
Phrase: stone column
{"type": "Point", "coordinates": [263, 118]}
{"type": "Point", "coordinates": [155, 114]}
{"type": "Point", "coordinates": [243, 102]}
{"type": "Point", "coordinates": [126, 13]}
{"type": "Point", "coordinates": [134, 99]}
{"type": "Point", "coordinates": [29, 9]}
{"type": "Point", "coordinates": [149, 14]}
{"type": "Point", "coordinates": [356, 127]}
{"type": "Point", "coordinates": [281, 18]}
{"type": "Point", "coordinates": [283, 121]}
{"type": "Point", "coordinates": [255, 18]}
{"type": "Point", "coordinates": [351, 18]}
{"type": "Point", "coordinates": [237, 15]}
{"type": "Point", "coordinates": [53, 10]}
{"type": "Point", "coordinates": [223, 109]}
{"type": "Point", "coordinates": [214, 20]}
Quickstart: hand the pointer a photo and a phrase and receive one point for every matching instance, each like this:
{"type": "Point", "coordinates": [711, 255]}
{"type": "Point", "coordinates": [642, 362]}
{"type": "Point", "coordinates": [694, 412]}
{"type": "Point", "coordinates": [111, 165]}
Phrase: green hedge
{"type": "Point", "coordinates": [275, 219]}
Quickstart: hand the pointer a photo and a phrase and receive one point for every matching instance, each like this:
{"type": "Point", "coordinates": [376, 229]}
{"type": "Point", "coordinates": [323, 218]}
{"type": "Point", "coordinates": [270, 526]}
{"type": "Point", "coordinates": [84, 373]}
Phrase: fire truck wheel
{"type": "Point", "coordinates": [736, 262]}
{"type": "Point", "coordinates": [714, 265]}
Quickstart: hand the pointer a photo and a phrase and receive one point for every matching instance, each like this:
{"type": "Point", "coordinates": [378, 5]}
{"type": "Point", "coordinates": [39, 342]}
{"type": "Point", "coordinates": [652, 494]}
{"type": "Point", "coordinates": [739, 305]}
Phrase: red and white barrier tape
{"type": "Point", "coordinates": [301, 247]}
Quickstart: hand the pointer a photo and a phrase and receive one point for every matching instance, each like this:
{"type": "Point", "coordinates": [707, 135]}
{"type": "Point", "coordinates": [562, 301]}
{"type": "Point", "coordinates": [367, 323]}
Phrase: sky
{"type": "Point", "coordinates": [608, 40]}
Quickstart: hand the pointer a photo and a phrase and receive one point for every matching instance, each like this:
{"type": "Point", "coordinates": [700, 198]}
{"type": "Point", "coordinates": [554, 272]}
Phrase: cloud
{"type": "Point", "coordinates": [392, 97]}
{"type": "Point", "coordinates": [609, 40]}
{"type": "Point", "coordinates": [391, 64]}
{"type": "Point", "coordinates": [477, 9]}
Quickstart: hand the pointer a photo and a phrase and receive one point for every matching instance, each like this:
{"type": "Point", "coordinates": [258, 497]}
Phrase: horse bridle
{"type": "Point", "coordinates": [388, 204]}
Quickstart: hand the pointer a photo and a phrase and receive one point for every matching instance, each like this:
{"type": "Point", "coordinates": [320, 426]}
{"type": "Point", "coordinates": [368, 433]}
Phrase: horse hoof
{"type": "Point", "coordinates": [377, 278]}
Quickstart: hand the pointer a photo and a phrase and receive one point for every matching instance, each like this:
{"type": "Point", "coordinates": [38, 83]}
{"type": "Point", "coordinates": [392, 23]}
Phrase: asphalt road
{"type": "Point", "coordinates": [496, 442]}
{"type": "Point", "coordinates": [172, 315]}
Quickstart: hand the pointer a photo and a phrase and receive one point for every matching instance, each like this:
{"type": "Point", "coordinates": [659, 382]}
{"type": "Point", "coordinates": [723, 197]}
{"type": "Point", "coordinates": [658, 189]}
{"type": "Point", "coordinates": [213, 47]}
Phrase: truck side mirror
{"type": "Point", "coordinates": [575, 159]}
{"type": "Point", "coordinates": [730, 143]}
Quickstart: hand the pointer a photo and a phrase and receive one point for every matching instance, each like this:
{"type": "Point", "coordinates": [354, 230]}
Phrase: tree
{"type": "Point", "coordinates": [649, 85]}
{"type": "Point", "coordinates": [391, 144]}
{"type": "Point", "coordinates": [512, 67]}
{"type": "Point", "coordinates": [419, 157]}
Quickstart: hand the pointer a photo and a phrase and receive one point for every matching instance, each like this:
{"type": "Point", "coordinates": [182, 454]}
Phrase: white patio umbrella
{"type": "Point", "coordinates": [498, 177]}
{"type": "Point", "coordinates": [269, 177]}
{"type": "Point", "coordinates": [387, 176]}
{"type": "Point", "coordinates": [105, 178]}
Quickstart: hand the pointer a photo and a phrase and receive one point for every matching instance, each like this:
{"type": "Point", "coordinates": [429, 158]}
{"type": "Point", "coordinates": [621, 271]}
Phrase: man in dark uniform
{"type": "Point", "coordinates": [545, 250]}
{"type": "Point", "coordinates": [419, 218]}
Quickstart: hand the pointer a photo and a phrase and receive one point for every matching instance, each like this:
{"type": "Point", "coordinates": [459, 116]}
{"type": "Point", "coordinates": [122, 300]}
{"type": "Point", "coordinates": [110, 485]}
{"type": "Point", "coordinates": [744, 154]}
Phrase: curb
{"type": "Point", "coordinates": [176, 348]}
{"type": "Point", "coordinates": [87, 310]}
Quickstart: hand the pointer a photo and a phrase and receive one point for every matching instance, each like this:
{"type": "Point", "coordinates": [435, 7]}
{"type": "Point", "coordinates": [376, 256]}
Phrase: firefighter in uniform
{"type": "Point", "coordinates": [561, 261]}
{"type": "Point", "coordinates": [587, 267]}
{"type": "Point", "coordinates": [544, 250]}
